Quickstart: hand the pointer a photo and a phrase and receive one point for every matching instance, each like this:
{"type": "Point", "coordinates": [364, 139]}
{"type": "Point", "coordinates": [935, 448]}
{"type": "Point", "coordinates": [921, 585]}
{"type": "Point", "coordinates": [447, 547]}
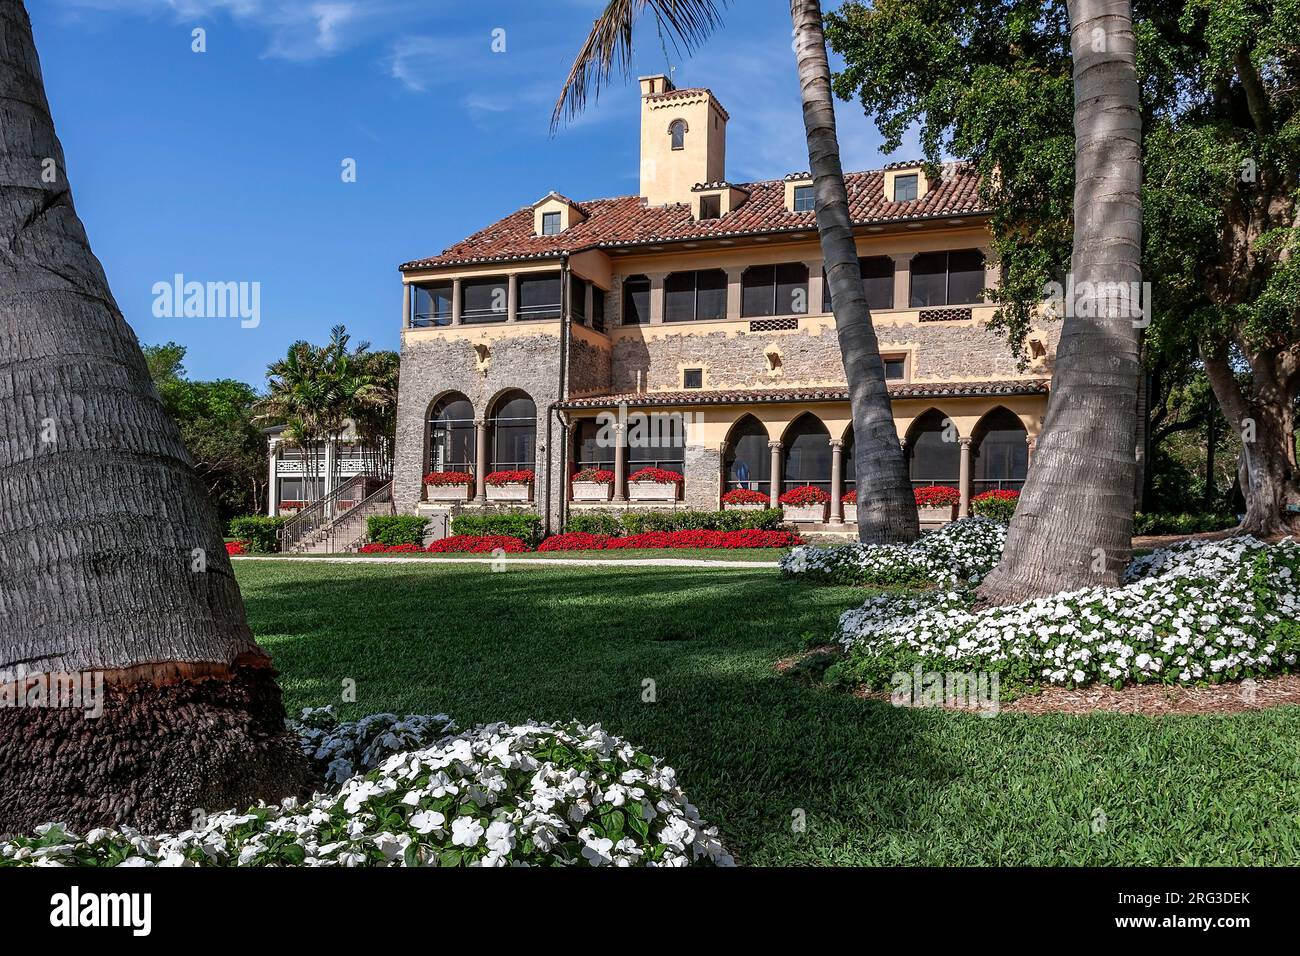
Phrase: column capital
{"type": "Point", "coordinates": [964, 441]}
{"type": "Point", "coordinates": [480, 423]}
{"type": "Point", "coordinates": [837, 442]}
{"type": "Point", "coordinates": [774, 445]}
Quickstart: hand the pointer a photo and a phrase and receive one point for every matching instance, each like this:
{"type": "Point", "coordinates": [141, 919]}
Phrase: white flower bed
{"type": "Point", "coordinates": [497, 795]}
{"type": "Point", "coordinates": [959, 553]}
{"type": "Point", "coordinates": [1199, 611]}
{"type": "Point", "coordinates": [337, 751]}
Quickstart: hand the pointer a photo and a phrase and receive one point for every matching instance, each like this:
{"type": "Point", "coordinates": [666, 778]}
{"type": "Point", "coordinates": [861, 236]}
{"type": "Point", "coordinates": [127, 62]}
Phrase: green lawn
{"type": "Point", "coordinates": [878, 785]}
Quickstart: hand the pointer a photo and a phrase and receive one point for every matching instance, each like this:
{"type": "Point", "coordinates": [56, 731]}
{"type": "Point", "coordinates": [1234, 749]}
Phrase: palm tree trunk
{"type": "Point", "coordinates": [1073, 525]}
{"type": "Point", "coordinates": [886, 505]}
{"type": "Point", "coordinates": [112, 557]}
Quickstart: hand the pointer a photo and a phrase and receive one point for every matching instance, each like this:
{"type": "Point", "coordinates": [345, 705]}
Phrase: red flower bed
{"type": "Point", "coordinates": [599, 475]}
{"type": "Point", "coordinates": [807, 495]}
{"type": "Point", "coordinates": [1003, 495]}
{"type": "Point", "coordinates": [292, 504]}
{"type": "Point", "coordinates": [656, 476]}
{"type": "Point", "coordinates": [574, 541]}
{"type": "Point", "coordinates": [441, 478]}
{"type": "Point", "coordinates": [938, 496]}
{"type": "Point", "coordinates": [850, 498]}
{"type": "Point", "coordinates": [478, 544]}
{"type": "Point", "coordinates": [729, 540]}
{"type": "Point", "coordinates": [510, 478]}
{"type": "Point", "coordinates": [376, 548]}
{"type": "Point", "coordinates": [234, 547]}
{"type": "Point", "coordinates": [744, 496]}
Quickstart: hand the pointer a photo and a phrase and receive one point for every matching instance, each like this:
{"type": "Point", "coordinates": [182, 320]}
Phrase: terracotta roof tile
{"type": "Point", "coordinates": [829, 393]}
{"type": "Point", "coordinates": [626, 221]}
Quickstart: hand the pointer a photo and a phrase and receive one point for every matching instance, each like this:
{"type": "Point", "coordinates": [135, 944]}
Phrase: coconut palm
{"type": "Point", "coordinates": [113, 559]}
{"type": "Point", "coordinates": [886, 507]}
{"type": "Point", "coordinates": [1073, 525]}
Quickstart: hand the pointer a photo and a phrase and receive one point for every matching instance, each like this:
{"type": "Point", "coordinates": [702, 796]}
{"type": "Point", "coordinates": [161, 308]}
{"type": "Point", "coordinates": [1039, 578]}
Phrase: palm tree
{"type": "Point", "coordinates": [886, 506]}
{"type": "Point", "coordinates": [375, 410]}
{"type": "Point", "coordinates": [113, 558]}
{"type": "Point", "coordinates": [1073, 525]}
{"type": "Point", "coordinates": [299, 397]}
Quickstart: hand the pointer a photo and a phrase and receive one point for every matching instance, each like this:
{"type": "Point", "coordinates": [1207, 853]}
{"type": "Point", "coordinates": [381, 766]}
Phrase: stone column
{"type": "Point", "coordinates": [457, 301]}
{"type": "Point", "coordinates": [406, 306]}
{"type": "Point", "coordinates": [620, 463]}
{"type": "Point", "coordinates": [512, 297]}
{"type": "Point", "coordinates": [331, 457]}
{"type": "Point", "coordinates": [734, 291]}
{"type": "Point", "coordinates": [903, 280]}
{"type": "Point", "coordinates": [963, 480]}
{"type": "Point", "coordinates": [657, 297]}
{"type": "Point", "coordinates": [480, 460]}
{"type": "Point", "coordinates": [990, 273]}
{"type": "Point", "coordinates": [272, 506]}
{"type": "Point", "coordinates": [815, 284]}
{"type": "Point", "coordinates": [775, 448]}
{"type": "Point", "coordinates": [837, 481]}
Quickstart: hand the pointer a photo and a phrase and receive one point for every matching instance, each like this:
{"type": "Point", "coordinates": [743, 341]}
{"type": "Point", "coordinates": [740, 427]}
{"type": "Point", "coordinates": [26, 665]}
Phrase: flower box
{"type": "Point", "coordinates": [744, 506]}
{"type": "Point", "coordinates": [511, 491]}
{"type": "Point", "coordinates": [851, 513]}
{"type": "Point", "coordinates": [651, 491]}
{"type": "Point", "coordinates": [744, 499]}
{"type": "Point", "coordinates": [446, 492]}
{"type": "Point", "coordinates": [593, 484]}
{"type": "Point", "coordinates": [936, 514]}
{"type": "Point", "coordinates": [805, 512]}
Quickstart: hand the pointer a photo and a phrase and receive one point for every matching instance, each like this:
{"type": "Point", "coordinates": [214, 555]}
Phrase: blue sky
{"type": "Point", "coordinates": [225, 166]}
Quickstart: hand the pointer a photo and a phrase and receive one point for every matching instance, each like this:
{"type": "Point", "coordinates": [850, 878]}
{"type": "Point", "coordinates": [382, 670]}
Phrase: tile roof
{"type": "Point", "coordinates": [626, 221]}
{"type": "Point", "coordinates": [829, 393]}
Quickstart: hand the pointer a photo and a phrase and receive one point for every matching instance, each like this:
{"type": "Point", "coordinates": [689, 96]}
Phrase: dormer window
{"type": "Point", "coordinates": [906, 187]}
{"type": "Point", "coordinates": [551, 224]}
{"type": "Point", "coordinates": [677, 131]}
{"type": "Point", "coordinates": [804, 200]}
{"type": "Point", "coordinates": [710, 207]}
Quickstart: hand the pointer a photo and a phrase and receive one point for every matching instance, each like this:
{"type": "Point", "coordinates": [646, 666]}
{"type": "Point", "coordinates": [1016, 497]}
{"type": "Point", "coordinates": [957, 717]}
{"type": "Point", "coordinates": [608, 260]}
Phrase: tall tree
{"type": "Point", "coordinates": [1073, 525]}
{"type": "Point", "coordinates": [112, 558]}
{"type": "Point", "coordinates": [886, 506]}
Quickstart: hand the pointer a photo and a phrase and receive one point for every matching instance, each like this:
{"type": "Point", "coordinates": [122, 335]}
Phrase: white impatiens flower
{"type": "Point", "coordinates": [500, 838]}
{"type": "Point", "coordinates": [466, 831]}
{"type": "Point", "coordinates": [427, 821]}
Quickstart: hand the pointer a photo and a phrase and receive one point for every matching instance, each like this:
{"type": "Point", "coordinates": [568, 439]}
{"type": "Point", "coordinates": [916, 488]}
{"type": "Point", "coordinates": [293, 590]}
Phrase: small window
{"type": "Point", "coordinates": [636, 300]}
{"type": "Point", "coordinates": [895, 367]}
{"type": "Point", "coordinates": [804, 200]}
{"type": "Point", "coordinates": [710, 207]}
{"type": "Point", "coordinates": [550, 224]}
{"type": "Point", "coordinates": [693, 378]}
{"type": "Point", "coordinates": [905, 187]}
{"type": "Point", "coordinates": [677, 130]}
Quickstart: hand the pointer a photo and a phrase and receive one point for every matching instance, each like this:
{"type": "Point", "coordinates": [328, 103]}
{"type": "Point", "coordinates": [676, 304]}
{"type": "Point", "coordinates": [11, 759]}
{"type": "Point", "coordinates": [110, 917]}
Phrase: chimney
{"type": "Point", "coordinates": [683, 140]}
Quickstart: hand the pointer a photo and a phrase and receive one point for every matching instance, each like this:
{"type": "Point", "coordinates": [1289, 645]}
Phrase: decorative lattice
{"type": "Point", "coordinates": [773, 325]}
{"type": "Point", "coordinates": [946, 315]}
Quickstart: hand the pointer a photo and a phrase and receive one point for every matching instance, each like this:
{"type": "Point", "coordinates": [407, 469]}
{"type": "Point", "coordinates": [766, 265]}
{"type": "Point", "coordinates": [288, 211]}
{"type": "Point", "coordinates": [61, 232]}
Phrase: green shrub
{"type": "Point", "coordinates": [999, 509]}
{"type": "Point", "coordinates": [1155, 523]}
{"type": "Point", "coordinates": [396, 529]}
{"type": "Point", "coordinates": [258, 533]}
{"type": "Point", "coordinates": [594, 522]}
{"type": "Point", "coordinates": [766, 519]}
{"type": "Point", "coordinates": [513, 524]}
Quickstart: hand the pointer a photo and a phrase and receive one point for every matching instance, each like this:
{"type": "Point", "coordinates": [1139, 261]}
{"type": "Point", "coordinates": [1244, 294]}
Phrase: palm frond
{"type": "Point", "coordinates": [686, 22]}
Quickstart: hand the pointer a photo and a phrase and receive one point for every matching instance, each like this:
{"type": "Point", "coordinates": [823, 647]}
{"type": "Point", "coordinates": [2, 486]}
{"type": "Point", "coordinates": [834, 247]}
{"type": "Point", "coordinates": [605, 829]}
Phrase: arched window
{"type": "Point", "coordinates": [677, 131]}
{"type": "Point", "coordinates": [807, 454]}
{"type": "Point", "coordinates": [748, 461]}
{"type": "Point", "coordinates": [513, 441]}
{"type": "Point", "coordinates": [1000, 451]}
{"type": "Point", "coordinates": [933, 454]}
{"type": "Point", "coordinates": [451, 434]}
{"type": "Point", "coordinates": [850, 470]}
{"type": "Point", "coordinates": [593, 445]}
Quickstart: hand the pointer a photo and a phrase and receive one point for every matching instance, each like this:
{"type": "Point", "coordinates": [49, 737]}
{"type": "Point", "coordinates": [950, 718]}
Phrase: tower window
{"type": "Point", "coordinates": [905, 187]}
{"type": "Point", "coordinates": [677, 130]}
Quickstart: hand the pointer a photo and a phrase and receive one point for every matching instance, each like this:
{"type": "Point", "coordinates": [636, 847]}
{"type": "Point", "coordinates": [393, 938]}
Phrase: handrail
{"type": "Point", "coordinates": [319, 513]}
{"type": "Point", "coordinates": [382, 495]}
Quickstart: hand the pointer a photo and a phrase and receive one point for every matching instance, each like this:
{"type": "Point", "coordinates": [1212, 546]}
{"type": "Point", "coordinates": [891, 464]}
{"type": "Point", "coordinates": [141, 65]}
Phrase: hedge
{"type": "Point", "coordinates": [1155, 523]}
{"type": "Point", "coordinates": [613, 523]}
{"type": "Point", "coordinates": [257, 533]}
{"type": "Point", "coordinates": [510, 524]}
{"type": "Point", "coordinates": [396, 529]}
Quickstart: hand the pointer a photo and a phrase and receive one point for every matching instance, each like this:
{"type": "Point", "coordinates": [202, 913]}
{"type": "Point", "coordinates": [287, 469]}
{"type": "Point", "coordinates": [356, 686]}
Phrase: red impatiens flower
{"type": "Point", "coordinates": [730, 540]}
{"type": "Point", "coordinates": [1004, 494]}
{"type": "Point", "coordinates": [377, 548]}
{"type": "Point", "coordinates": [574, 541]}
{"type": "Point", "coordinates": [599, 475]}
{"type": "Point", "coordinates": [850, 497]}
{"type": "Point", "coordinates": [656, 476]}
{"type": "Point", "coordinates": [234, 547]}
{"type": "Point", "coordinates": [744, 496]}
{"type": "Point", "coordinates": [442, 478]}
{"type": "Point", "coordinates": [498, 478]}
{"type": "Point", "coordinates": [478, 544]}
{"type": "Point", "coordinates": [937, 496]}
{"type": "Point", "coordinates": [807, 495]}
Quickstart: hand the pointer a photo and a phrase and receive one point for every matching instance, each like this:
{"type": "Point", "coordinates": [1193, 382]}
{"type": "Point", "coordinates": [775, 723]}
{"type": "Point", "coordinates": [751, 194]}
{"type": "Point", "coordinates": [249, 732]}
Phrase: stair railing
{"type": "Point", "coordinates": [322, 512]}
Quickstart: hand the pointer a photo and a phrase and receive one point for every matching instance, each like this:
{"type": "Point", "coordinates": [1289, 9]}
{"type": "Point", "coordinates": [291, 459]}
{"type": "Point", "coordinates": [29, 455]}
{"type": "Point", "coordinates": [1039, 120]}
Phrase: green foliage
{"type": "Point", "coordinates": [999, 509]}
{"type": "Point", "coordinates": [764, 519]}
{"type": "Point", "coordinates": [514, 524]}
{"type": "Point", "coordinates": [258, 533]}
{"type": "Point", "coordinates": [594, 522]}
{"type": "Point", "coordinates": [1194, 523]}
{"type": "Point", "coordinates": [396, 529]}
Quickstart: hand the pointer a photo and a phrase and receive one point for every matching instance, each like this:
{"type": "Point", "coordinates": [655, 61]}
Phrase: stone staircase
{"type": "Point", "coordinates": [337, 523]}
{"type": "Point", "coordinates": [346, 534]}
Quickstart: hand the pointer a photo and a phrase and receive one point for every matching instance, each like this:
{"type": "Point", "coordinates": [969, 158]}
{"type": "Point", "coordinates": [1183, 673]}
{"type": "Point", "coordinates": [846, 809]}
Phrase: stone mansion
{"type": "Point", "coordinates": [701, 302]}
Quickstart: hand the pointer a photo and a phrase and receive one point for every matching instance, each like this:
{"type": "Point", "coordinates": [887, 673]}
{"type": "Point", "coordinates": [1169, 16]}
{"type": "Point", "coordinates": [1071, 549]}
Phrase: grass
{"type": "Point", "coordinates": [876, 784]}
